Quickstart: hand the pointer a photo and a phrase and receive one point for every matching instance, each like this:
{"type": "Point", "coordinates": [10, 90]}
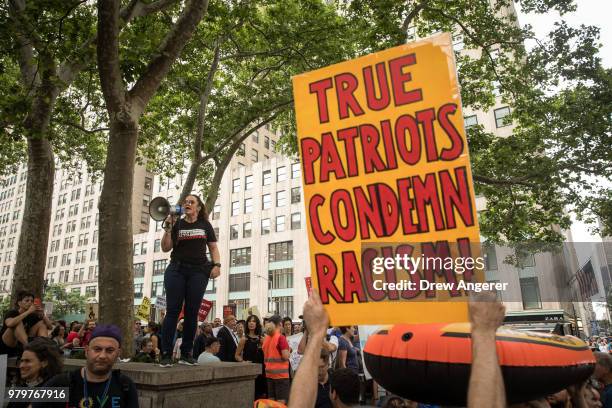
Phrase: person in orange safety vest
{"type": "Point", "coordinates": [276, 358]}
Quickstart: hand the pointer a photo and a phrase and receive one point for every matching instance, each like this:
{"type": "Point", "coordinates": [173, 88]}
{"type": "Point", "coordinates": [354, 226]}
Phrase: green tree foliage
{"type": "Point", "coordinates": [64, 303]}
{"type": "Point", "coordinates": [5, 305]}
{"type": "Point", "coordinates": [560, 96]}
{"type": "Point", "coordinates": [234, 77]}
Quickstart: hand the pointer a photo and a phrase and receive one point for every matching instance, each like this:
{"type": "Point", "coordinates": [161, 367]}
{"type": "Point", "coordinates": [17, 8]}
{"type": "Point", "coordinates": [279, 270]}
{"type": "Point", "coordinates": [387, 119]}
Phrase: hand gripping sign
{"type": "Point", "coordinates": [387, 178]}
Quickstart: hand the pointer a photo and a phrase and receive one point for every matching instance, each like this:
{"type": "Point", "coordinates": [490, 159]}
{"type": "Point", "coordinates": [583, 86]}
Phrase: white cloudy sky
{"type": "Point", "coordinates": [589, 12]}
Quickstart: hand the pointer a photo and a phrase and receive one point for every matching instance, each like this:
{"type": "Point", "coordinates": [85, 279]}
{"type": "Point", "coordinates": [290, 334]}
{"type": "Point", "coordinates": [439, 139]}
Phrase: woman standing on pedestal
{"type": "Point", "coordinates": [187, 275]}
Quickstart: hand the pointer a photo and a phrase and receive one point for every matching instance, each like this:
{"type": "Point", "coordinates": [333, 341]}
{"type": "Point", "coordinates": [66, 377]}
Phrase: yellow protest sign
{"type": "Point", "coordinates": [388, 186]}
{"type": "Point", "coordinates": [144, 310]}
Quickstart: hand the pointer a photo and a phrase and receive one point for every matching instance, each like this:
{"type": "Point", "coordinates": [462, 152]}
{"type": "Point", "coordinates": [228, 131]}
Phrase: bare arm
{"type": "Point", "coordinates": [329, 346]}
{"type": "Point", "coordinates": [303, 342]}
{"type": "Point", "coordinates": [342, 358]}
{"type": "Point", "coordinates": [285, 354]}
{"type": "Point", "coordinates": [216, 258]}
{"type": "Point", "coordinates": [304, 387]}
{"type": "Point", "coordinates": [486, 387]}
{"type": "Point", "coordinates": [14, 321]}
{"type": "Point", "coordinates": [239, 349]}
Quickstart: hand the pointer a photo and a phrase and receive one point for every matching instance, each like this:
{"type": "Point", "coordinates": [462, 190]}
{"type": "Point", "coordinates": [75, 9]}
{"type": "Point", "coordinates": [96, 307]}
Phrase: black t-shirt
{"type": "Point", "coordinates": [28, 322]}
{"type": "Point", "coordinates": [323, 400]}
{"type": "Point", "coordinates": [189, 240]}
{"type": "Point", "coordinates": [121, 392]}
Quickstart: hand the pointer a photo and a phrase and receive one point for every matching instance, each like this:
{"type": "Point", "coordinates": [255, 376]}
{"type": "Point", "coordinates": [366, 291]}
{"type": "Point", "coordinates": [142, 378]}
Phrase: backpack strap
{"type": "Point", "coordinates": [124, 381]}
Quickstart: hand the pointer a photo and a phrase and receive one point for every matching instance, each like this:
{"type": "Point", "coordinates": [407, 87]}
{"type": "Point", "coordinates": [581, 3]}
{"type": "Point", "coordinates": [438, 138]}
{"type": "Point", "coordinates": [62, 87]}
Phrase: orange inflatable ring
{"type": "Point", "coordinates": [430, 363]}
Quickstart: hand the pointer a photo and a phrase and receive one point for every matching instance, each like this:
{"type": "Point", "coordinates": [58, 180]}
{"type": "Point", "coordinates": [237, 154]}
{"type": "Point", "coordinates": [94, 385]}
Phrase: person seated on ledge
{"type": "Point", "coordinates": [27, 320]}
{"type": "Point", "coordinates": [144, 355]}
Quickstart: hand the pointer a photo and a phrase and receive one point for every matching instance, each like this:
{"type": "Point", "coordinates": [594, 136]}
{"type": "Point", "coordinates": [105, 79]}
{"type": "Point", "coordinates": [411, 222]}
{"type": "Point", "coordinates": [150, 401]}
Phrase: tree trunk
{"type": "Point", "coordinates": [115, 248]}
{"type": "Point", "coordinates": [189, 181]}
{"type": "Point", "coordinates": [34, 235]}
{"type": "Point", "coordinates": [216, 181]}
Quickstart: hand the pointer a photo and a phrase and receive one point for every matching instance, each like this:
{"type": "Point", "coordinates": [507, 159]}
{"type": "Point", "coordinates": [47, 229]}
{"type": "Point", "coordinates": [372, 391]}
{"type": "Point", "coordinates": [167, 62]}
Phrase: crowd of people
{"type": "Point", "coordinates": [327, 373]}
{"type": "Point", "coordinates": [322, 369]}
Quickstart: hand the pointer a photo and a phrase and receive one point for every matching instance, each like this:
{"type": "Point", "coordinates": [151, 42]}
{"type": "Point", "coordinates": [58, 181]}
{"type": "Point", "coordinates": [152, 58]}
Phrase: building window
{"type": "Point", "coordinates": [143, 248]}
{"type": "Point", "coordinates": [90, 291]}
{"type": "Point", "coordinates": [280, 251]}
{"type": "Point", "coordinates": [248, 205]}
{"type": "Point", "coordinates": [265, 226]}
{"type": "Point", "coordinates": [139, 270]}
{"type": "Point", "coordinates": [458, 41]}
{"type": "Point", "coordinates": [240, 256]}
{"type": "Point", "coordinates": [157, 245]}
{"type": "Point", "coordinates": [470, 121]}
{"type": "Point", "coordinates": [280, 278]}
{"type": "Point", "coordinates": [234, 231]}
{"type": "Point", "coordinates": [266, 201]}
{"type": "Point", "coordinates": [236, 185]}
{"type": "Point", "coordinates": [138, 290]}
{"type": "Point", "coordinates": [157, 289]}
{"type": "Point", "coordinates": [490, 257]}
{"type": "Point", "coordinates": [280, 223]}
{"type": "Point", "coordinates": [266, 142]}
{"type": "Point", "coordinates": [281, 173]}
{"type": "Point", "coordinates": [281, 305]}
{"type": "Point", "coordinates": [501, 116]}
{"type": "Point", "coordinates": [241, 304]}
{"type": "Point", "coordinates": [159, 266]}
{"type": "Point", "coordinates": [254, 155]}
{"type": "Point", "coordinates": [235, 207]}
{"type": "Point", "coordinates": [211, 287]}
{"type": "Point", "coordinates": [148, 184]}
{"type": "Point", "coordinates": [241, 150]}
{"type": "Point", "coordinates": [525, 260]}
{"type": "Point", "coordinates": [296, 221]}
{"type": "Point", "coordinates": [246, 230]}
{"type": "Point", "coordinates": [295, 195]}
{"type": "Point", "coordinates": [255, 137]}
{"type": "Point", "coordinates": [216, 212]}
{"type": "Point", "coordinates": [281, 198]}
{"type": "Point", "coordinates": [239, 282]}
{"type": "Point", "coordinates": [248, 182]}
{"type": "Point", "coordinates": [530, 291]}
{"type": "Point", "coordinates": [267, 178]}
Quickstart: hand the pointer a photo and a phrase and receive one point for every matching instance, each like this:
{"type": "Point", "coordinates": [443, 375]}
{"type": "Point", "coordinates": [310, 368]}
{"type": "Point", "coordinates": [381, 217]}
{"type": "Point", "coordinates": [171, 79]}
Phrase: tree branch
{"type": "Point", "coordinates": [204, 96]}
{"type": "Point", "coordinates": [510, 182]}
{"type": "Point", "coordinates": [169, 50]}
{"type": "Point", "coordinates": [240, 134]}
{"type": "Point", "coordinates": [83, 55]}
{"type": "Point", "coordinates": [408, 20]}
{"type": "Point", "coordinates": [25, 39]}
{"type": "Point", "coordinates": [81, 128]}
{"type": "Point", "coordinates": [475, 41]}
{"type": "Point", "coordinates": [111, 79]}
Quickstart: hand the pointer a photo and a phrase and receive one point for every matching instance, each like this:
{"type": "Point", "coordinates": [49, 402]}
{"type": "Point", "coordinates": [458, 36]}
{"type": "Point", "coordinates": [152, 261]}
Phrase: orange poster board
{"type": "Point", "coordinates": [386, 174]}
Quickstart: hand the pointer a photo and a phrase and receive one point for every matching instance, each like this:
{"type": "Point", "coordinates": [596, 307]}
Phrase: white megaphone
{"type": "Point", "coordinates": [160, 209]}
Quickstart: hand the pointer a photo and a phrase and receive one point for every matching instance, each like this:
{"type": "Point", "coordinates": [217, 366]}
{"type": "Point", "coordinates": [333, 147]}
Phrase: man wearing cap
{"type": "Point", "coordinates": [276, 358]}
{"type": "Point", "coordinates": [96, 385]}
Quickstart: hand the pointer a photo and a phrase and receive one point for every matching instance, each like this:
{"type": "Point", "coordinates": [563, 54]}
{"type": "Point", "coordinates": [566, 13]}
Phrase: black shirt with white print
{"type": "Point", "coordinates": [189, 240]}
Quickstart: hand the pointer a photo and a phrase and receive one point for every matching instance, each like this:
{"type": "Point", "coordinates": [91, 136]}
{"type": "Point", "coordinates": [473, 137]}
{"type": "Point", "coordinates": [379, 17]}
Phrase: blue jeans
{"type": "Point", "coordinates": [183, 283]}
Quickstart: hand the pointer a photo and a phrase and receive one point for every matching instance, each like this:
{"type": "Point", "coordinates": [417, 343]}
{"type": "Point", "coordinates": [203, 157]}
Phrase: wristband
{"type": "Point", "coordinates": [216, 264]}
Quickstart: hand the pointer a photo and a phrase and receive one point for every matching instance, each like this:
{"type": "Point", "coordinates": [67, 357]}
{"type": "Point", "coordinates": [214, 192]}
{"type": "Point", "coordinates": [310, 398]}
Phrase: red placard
{"type": "Point", "coordinates": [205, 308]}
{"type": "Point", "coordinates": [229, 310]}
{"type": "Point", "coordinates": [308, 281]}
